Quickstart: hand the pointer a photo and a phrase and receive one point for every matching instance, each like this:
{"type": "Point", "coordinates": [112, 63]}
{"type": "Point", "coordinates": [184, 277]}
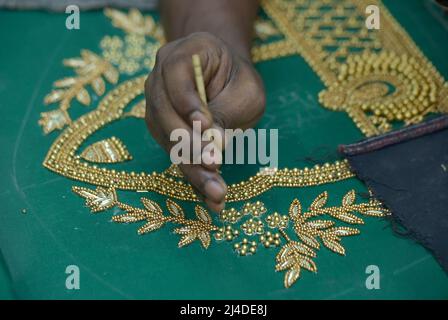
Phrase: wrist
{"type": "Point", "coordinates": [223, 29]}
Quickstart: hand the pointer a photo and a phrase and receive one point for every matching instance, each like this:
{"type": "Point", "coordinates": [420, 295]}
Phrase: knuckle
{"type": "Point", "coordinates": [173, 61]}
{"type": "Point", "coordinates": [162, 53]}
{"type": "Point", "coordinates": [205, 42]}
{"type": "Point", "coordinates": [203, 35]}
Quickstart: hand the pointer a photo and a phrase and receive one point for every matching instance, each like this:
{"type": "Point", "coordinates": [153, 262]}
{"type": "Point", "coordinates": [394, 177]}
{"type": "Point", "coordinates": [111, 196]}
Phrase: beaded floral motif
{"type": "Point", "coordinates": [269, 240]}
{"type": "Point", "coordinates": [190, 230]}
{"type": "Point", "coordinates": [371, 104]}
{"type": "Point", "coordinates": [90, 69]}
{"type": "Point", "coordinates": [276, 220]}
{"type": "Point", "coordinates": [253, 226]}
{"type": "Point", "coordinates": [316, 225]}
{"type": "Point", "coordinates": [255, 209]}
{"type": "Point", "coordinates": [245, 247]}
{"type": "Point", "coordinates": [226, 233]}
{"type": "Point", "coordinates": [231, 215]}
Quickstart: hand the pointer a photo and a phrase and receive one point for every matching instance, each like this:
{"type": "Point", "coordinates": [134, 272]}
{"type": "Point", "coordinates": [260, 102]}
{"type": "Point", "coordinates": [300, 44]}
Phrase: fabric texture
{"type": "Point", "coordinates": [60, 5]}
{"type": "Point", "coordinates": [408, 171]}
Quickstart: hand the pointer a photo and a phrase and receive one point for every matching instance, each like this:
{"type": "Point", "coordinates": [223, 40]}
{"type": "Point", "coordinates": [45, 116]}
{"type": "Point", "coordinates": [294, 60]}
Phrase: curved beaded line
{"type": "Point", "coordinates": [62, 159]}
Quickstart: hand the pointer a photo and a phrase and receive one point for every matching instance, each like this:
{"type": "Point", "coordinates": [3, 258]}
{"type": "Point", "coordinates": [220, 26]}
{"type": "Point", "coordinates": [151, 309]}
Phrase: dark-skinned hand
{"type": "Point", "coordinates": [235, 94]}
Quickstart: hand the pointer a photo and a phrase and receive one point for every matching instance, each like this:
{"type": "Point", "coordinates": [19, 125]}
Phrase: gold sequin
{"type": "Point", "coordinates": [110, 150]}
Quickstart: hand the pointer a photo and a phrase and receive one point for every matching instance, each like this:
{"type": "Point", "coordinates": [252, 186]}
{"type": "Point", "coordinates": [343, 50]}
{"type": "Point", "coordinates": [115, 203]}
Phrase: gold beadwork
{"type": "Point", "coordinates": [255, 209]}
{"type": "Point", "coordinates": [137, 50]}
{"type": "Point", "coordinates": [226, 233]}
{"type": "Point", "coordinates": [338, 67]}
{"type": "Point", "coordinates": [90, 70]}
{"type": "Point", "coordinates": [97, 200]}
{"type": "Point", "coordinates": [276, 220]}
{"type": "Point", "coordinates": [134, 22]}
{"type": "Point", "coordinates": [245, 247]}
{"type": "Point", "coordinates": [106, 151]}
{"type": "Point", "coordinates": [269, 240]}
{"type": "Point", "coordinates": [309, 226]}
{"type": "Point", "coordinates": [377, 77]}
{"type": "Point", "coordinates": [61, 158]}
{"type": "Point", "coordinates": [137, 111]}
{"type": "Point", "coordinates": [130, 54]}
{"type": "Point", "coordinates": [230, 215]}
{"type": "Point", "coordinates": [385, 87]}
{"type": "Point", "coordinates": [329, 40]}
{"type": "Point", "coordinates": [102, 199]}
{"type": "Point", "coordinates": [54, 120]}
{"type": "Point", "coordinates": [272, 50]}
{"type": "Point", "coordinates": [265, 29]}
{"type": "Point", "coordinates": [253, 226]}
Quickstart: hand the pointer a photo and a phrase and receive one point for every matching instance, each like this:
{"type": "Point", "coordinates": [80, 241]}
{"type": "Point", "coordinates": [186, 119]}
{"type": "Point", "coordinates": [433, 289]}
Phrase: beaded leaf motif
{"type": "Point", "coordinates": [310, 226]}
{"type": "Point", "coordinates": [190, 230]}
{"type": "Point", "coordinates": [90, 69]}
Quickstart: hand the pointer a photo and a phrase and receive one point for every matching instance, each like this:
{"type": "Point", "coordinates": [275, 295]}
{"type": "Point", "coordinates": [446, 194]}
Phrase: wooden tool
{"type": "Point", "coordinates": [199, 78]}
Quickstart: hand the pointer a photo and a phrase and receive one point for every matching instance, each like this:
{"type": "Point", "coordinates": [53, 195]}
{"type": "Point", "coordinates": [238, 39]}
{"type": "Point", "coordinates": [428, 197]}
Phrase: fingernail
{"type": "Point", "coordinates": [215, 190]}
{"type": "Point", "coordinates": [215, 207]}
{"type": "Point", "coordinates": [222, 206]}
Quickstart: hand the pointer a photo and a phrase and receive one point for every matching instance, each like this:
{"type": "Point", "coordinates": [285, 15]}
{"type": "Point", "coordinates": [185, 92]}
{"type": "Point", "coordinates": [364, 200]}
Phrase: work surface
{"type": "Point", "coordinates": [45, 227]}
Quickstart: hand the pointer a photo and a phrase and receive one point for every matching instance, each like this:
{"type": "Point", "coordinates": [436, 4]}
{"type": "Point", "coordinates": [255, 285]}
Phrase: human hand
{"type": "Point", "coordinates": [235, 95]}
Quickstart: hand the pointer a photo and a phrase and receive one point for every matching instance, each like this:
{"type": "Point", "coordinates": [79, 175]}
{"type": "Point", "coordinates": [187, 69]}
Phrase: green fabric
{"type": "Point", "coordinates": [57, 230]}
{"type": "Point", "coordinates": [6, 291]}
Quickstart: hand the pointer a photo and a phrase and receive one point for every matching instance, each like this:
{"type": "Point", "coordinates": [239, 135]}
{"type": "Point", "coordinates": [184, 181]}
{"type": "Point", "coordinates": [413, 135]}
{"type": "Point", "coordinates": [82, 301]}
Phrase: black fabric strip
{"type": "Point", "coordinates": [408, 171]}
{"type": "Point", "coordinates": [394, 137]}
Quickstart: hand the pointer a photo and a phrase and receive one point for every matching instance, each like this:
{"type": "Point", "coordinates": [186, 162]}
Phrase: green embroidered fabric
{"type": "Point", "coordinates": [45, 227]}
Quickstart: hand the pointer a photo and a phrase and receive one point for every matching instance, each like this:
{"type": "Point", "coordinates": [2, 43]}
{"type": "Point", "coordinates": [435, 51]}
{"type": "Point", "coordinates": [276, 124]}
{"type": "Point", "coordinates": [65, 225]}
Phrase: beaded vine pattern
{"type": "Point", "coordinates": [379, 78]}
{"type": "Point", "coordinates": [297, 235]}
